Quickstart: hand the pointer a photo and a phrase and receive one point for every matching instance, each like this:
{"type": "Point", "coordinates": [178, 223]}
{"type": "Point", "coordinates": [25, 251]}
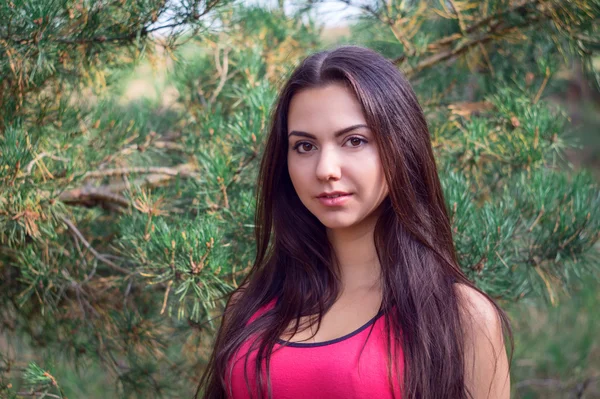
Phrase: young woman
{"type": "Point", "coordinates": [356, 291]}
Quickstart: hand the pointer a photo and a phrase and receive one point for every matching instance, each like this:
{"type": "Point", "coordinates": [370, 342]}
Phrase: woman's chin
{"type": "Point", "coordinates": [336, 223]}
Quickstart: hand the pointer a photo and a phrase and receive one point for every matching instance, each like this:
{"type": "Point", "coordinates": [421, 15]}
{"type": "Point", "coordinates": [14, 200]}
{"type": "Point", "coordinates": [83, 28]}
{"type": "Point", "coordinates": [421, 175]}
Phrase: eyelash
{"type": "Point", "coordinates": [298, 144]}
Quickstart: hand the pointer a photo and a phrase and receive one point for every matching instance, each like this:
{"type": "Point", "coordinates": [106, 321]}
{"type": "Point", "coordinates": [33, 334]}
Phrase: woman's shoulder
{"type": "Point", "coordinates": [486, 363]}
{"type": "Point", "coordinates": [476, 305]}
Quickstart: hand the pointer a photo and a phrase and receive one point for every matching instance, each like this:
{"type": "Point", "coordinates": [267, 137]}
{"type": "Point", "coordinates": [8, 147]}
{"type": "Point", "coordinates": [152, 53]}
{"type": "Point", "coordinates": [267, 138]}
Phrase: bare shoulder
{"type": "Point", "coordinates": [473, 303]}
{"type": "Point", "coordinates": [486, 364]}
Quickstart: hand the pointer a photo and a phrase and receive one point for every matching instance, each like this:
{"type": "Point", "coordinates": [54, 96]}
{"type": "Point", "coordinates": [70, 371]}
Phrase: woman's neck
{"type": "Point", "coordinates": [355, 251]}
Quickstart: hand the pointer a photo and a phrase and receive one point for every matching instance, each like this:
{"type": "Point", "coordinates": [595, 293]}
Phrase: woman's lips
{"type": "Point", "coordinates": [337, 201]}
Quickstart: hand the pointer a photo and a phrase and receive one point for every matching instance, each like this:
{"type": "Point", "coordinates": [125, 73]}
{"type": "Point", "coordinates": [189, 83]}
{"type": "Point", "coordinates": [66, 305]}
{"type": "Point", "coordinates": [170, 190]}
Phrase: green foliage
{"type": "Point", "coordinates": [557, 352]}
{"type": "Point", "coordinates": [125, 221]}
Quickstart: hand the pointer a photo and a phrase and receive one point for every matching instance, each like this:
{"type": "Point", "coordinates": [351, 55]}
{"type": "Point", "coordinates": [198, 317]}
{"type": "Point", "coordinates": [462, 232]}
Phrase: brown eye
{"type": "Point", "coordinates": [306, 146]}
{"type": "Point", "coordinates": [356, 141]}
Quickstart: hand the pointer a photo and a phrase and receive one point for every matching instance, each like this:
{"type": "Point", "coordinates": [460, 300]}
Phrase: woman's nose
{"type": "Point", "coordinates": [328, 166]}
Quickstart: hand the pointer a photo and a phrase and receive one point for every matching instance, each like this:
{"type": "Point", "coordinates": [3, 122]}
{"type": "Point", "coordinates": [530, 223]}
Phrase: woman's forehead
{"type": "Point", "coordinates": [324, 110]}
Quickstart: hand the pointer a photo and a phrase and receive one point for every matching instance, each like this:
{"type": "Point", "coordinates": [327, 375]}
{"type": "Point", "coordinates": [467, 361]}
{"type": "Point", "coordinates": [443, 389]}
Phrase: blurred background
{"type": "Point", "coordinates": [130, 136]}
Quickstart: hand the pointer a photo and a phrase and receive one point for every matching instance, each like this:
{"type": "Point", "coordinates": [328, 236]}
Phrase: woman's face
{"type": "Point", "coordinates": [332, 149]}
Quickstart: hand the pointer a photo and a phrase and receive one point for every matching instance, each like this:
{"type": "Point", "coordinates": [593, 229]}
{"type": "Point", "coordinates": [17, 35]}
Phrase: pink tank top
{"type": "Point", "coordinates": [323, 370]}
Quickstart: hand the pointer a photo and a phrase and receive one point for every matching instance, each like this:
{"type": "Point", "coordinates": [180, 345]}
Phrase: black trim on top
{"type": "Point", "coordinates": [331, 341]}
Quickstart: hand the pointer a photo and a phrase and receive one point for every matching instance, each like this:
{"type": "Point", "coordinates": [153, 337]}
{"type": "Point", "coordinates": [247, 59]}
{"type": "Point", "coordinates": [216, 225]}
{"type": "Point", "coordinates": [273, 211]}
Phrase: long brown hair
{"type": "Point", "coordinates": [295, 262]}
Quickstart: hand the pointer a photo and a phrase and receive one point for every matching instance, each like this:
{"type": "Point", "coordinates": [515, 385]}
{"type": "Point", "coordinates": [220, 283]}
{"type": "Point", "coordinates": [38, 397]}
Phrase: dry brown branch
{"type": "Point", "coordinates": [494, 30]}
{"type": "Point", "coordinates": [490, 21]}
{"type": "Point", "coordinates": [161, 170]}
{"type": "Point", "coordinates": [169, 146]}
{"type": "Point", "coordinates": [386, 19]}
{"type": "Point", "coordinates": [50, 395]}
{"type": "Point", "coordinates": [466, 109]}
{"type": "Point", "coordinates": [543, 86]}
{"type": "Point", "coordinates": [223, 70]}
{"type": "Point", "coordinates": [164, 306]}
{"type": "Point", "coordinates": [242, 166]}
{"type": "Point", "coordinates": [463, 47]}
{"type": "Point", "coordinates": [91, 196]}
{"type": "Point", "coordinates": [446, 55]}
{"type": "Point", "coordinates": [461, 21]}
{"type": "Point", "coordinates": [487, 20]}
{"type": "Point", "coordinates": [98, 255]}
{"type": "Point", "coordinates": [588, 39]}
{"type": "Point", "coordinates": [165, 142]}
{"type": "Point", "coordinates": [110, 193]}
{"type": "Point", "coordinates": [29, 166]}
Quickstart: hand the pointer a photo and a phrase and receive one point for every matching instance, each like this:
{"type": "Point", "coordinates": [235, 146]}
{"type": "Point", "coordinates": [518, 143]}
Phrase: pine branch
{"type": "Point", "coordinates": [91, 196]}
{"type": "Point", "coordinates": [502, 13]}
{"type": "Point", "coordinates": [494, 31]}
{"type": "Point", "coordinates": [222, 71]}
{"type": "Point", "coordinates": [587, 39]}
{"type": "Point", "coordinates": [42, 394]}
{"type": "Point", "coordinates": [98, 255]}
{"type": "Point", "coordinates": [68, 40]}
{"type": "Point", "coordinates": [29, 166]}
{"type": "Point", "coordinates": [160, 170]}
{"type": "Point", "coordinates": [145, 31]}
{"type": "Point", "coordinates": [522, 8]}
{"type": "Point", "coordinates": [110, 193]}
{"type": "Point", "coordinates": [465, 46]}
{"type": "Point", "coordinates": [387, 20]}
{"type": "Point", "coordinates": [165, 142]}
{"type": "Point", "coordinates": [241, 168]}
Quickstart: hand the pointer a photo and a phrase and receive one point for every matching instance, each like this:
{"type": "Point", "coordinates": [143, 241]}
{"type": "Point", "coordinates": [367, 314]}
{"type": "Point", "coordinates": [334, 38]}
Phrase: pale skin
{"type": "Point", "coordinates": [349, 162]}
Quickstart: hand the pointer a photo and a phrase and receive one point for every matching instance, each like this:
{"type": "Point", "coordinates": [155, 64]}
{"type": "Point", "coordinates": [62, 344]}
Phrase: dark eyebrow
{"type": "Point", "coordinates": [336, 134]}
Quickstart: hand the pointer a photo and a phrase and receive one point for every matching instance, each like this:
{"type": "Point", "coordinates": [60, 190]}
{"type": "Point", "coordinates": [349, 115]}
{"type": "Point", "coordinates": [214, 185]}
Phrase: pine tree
{"type": "Point", "coordinates": [124, 224]}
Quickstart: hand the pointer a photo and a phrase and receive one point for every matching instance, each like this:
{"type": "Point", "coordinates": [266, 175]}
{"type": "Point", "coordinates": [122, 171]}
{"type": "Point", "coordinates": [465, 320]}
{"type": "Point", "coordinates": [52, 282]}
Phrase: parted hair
{"type": "Point", "coordinates": [296, 263]}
